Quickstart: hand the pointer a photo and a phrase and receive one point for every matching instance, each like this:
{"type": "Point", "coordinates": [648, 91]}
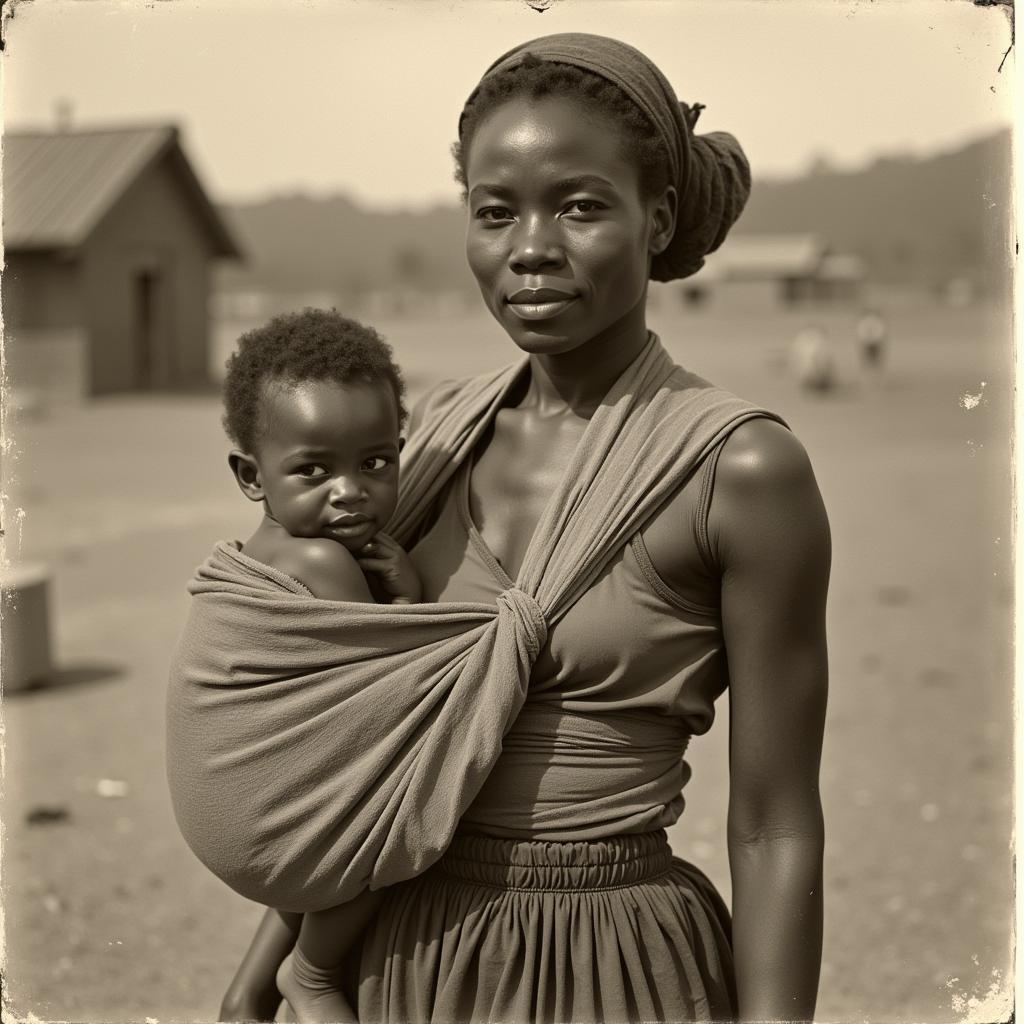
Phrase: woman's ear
{"type": "Point", "coordinates": [247, 474]}
{"type": "Point", "coordinates": [663, 220]}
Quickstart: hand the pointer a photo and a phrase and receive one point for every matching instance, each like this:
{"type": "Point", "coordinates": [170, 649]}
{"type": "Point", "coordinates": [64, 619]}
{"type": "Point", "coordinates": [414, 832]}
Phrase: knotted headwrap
{"type": "Point", "coordinates": [710, 172]}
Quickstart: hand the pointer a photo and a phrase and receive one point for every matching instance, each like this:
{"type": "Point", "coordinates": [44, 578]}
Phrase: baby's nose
{"type": "Point", "coordinates": [346, 489]}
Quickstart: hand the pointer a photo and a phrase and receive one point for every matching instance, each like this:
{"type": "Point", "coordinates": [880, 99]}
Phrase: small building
{"type": "Point", "coordinates": [775, 271]}
{"type": "Point", "coordinates": [108, 238]}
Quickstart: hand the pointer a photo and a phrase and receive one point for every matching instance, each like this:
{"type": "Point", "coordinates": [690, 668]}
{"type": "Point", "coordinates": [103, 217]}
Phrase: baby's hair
{"type": "Point", "coordinates": [314, 345]}
{"type": "Point", "coordinates": [535, 78]}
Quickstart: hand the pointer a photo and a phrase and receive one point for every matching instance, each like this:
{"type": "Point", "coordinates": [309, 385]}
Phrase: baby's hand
{"type": "Point", "coordinates": [386, 559]}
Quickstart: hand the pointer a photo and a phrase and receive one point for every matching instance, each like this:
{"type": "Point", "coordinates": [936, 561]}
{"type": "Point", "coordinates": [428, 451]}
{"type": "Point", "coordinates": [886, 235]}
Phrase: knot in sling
{"type": "Point", "coordinates": [318, 748]}
{"type": "Point", "coordinates": [525, 616]}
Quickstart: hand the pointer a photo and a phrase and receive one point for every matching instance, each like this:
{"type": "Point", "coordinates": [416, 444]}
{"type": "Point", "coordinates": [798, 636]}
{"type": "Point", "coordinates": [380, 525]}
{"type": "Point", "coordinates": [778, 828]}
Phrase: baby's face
{"type": "Point", "coordinates": [328, 459]}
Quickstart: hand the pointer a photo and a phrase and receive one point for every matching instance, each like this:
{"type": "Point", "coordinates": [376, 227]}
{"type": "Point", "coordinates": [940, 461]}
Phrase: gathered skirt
{"type": "Point", "coordinates": [521, 931]}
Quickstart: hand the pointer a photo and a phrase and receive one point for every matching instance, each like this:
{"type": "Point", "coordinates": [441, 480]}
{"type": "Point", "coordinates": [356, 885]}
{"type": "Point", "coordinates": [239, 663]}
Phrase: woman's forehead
{"type": "Point", "coordinates": [559, 131]}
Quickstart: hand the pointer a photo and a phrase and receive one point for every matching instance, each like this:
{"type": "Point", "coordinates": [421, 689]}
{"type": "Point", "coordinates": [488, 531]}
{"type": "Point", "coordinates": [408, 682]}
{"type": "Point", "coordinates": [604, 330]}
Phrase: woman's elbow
{"type": "Point", "coordinates": [762, 822]}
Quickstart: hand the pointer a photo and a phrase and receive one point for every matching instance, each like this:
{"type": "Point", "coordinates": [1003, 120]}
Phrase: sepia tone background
{"type": "Point", "coordinates": [175, 173]}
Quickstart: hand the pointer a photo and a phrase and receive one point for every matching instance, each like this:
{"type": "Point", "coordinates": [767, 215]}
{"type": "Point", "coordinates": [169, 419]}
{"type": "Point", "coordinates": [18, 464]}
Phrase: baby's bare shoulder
{"type": "Point", "coordinates": [324, 566]}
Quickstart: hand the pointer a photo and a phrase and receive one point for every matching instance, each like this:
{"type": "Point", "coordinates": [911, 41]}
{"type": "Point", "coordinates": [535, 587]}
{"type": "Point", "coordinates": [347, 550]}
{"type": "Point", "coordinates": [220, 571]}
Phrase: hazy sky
{"type": "Point", "coordinates": [362, 96]}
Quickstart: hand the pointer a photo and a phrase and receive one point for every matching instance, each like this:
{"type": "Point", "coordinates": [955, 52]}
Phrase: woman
{"type": "Point", "coordinates": [558, 898]}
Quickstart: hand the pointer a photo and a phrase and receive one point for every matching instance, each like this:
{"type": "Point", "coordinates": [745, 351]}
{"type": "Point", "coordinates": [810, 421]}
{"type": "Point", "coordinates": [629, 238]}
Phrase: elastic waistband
{"type": "Point", "coordinates": [553, 867]}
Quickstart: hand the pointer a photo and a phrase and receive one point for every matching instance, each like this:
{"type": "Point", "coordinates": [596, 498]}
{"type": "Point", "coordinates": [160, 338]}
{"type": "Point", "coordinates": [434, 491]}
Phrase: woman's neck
{"type": "Point", "coordinates": [580, 379]}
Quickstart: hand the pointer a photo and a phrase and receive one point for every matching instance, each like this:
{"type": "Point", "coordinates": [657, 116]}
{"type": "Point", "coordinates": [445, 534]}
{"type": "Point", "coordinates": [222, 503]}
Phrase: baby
{"type": "Point", "coordinates": [313, 403]}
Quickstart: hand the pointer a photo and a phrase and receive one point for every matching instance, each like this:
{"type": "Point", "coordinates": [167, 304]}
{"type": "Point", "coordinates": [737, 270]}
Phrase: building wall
{"type": "Point", "coordinates": [47, 365]}
{"type": "Point", "coordinates": [147, 264]}
{"type": "Point", "coordinates": [44, 343]}
{"type": "Point", "coordinates": [40, 292]}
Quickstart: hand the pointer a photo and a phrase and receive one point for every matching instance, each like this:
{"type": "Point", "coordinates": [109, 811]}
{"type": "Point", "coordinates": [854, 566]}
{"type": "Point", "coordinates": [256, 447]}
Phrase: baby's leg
{"type": "Point", "coordinates": [310, 979]}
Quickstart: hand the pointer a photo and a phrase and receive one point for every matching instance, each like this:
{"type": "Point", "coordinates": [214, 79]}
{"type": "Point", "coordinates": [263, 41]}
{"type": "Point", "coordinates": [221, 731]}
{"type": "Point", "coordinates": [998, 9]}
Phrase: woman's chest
{"type": "Point", "coordinates": [514, 478]}
{"type": "Point", "coordinates": [626, 640]}
{"type": "Point", "coordinates": [522, 470]}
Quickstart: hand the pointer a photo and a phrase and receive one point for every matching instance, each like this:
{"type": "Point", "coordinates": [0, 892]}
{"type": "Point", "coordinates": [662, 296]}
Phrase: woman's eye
{"type": "Point", "coordinates": [312, 471]}
{"type": "Point", "coordinates": [376, 463]}
{"type": "Point", "coordinates": [583, 206]}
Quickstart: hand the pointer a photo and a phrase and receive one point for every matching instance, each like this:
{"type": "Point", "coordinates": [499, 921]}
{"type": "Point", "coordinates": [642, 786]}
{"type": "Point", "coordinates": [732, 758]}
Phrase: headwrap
{"type": "Point", "coordinates": [710, 172]}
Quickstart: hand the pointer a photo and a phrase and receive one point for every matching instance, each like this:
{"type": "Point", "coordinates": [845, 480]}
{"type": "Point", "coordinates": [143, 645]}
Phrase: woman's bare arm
{"type": "Point", "coordinates": [770, 532]}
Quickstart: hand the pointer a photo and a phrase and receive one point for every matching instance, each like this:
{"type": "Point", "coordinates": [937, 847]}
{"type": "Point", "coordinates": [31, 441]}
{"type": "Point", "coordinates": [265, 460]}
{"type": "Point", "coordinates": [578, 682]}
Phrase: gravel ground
{"type": "Point", "coordinates": [107, 915]}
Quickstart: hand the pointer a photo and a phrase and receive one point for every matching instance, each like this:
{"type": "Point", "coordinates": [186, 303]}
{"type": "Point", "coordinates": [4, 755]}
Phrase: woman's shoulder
{"type": "Point", "coordinates": [435, 399]}
{"type": "Point", "coordinates": [759, 478]}
{"type": "Point", "coordinates": [765, 493]}
{"type": "Point", "coordinates": [762, 454]}
{"type": "Point", "coordinates": [450, 395]}
{"type": "Point", "coordinates": [711, 412]}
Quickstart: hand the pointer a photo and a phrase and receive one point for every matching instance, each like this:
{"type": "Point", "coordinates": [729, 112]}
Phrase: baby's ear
{"type": "Point", "coordinates": [246, 471]}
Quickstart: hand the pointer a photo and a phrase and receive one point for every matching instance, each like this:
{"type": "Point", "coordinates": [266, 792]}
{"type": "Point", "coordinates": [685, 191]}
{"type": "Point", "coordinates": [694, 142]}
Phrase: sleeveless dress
{"type": "Point", "coordinates": [559, 898]}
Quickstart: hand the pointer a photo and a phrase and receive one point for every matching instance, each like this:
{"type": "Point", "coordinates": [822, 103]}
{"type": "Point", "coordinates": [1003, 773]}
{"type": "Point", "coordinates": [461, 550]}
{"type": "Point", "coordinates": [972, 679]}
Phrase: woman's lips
{"type": "Point", "coordinates": [539, 303]}
{"type": "Point", "coordinates": [539, 310]}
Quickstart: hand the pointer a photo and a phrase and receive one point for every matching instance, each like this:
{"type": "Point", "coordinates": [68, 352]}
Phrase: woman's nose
{"type": "Point", "coordinates": [536, 246]}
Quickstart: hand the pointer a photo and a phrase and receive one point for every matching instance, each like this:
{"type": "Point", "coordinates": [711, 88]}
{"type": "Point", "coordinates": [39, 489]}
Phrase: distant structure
{"type": "Point", "coordinates": [108, 239]}
{"type": "Point", "coordinates": [775, 271]}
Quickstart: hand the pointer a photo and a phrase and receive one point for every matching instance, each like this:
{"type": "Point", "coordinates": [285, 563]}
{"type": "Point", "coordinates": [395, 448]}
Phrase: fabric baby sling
{"type": "Point", "coordinates": [318, 748]}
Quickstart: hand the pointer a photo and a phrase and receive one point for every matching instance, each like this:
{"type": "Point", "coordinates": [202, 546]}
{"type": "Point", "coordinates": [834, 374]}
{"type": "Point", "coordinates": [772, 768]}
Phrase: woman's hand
{"type": "Point", "coordinates": [392, 568]}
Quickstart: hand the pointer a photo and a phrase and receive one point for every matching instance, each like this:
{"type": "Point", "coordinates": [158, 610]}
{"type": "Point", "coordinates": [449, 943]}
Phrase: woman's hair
{"type": "Point", "coordinates": [535, 78]}
{"type": "Point", "coordinates": [314, 345]}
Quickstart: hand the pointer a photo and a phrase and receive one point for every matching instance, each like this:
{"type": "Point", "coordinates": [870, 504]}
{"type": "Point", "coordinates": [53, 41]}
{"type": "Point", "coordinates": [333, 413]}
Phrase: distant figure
{"type": "Point", "coordinates": [812, 359]}
{"type": "Point", "coordinates": [872, 336]}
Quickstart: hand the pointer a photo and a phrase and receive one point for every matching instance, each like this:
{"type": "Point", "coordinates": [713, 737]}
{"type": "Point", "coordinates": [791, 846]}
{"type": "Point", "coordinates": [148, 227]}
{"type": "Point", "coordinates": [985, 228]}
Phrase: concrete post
{"type": "Point", "coordinates": [24, 626]}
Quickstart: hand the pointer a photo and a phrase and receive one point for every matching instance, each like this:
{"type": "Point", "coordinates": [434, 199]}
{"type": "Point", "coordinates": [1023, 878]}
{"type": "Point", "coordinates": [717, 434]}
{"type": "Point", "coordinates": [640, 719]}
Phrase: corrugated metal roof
{"type": "Point", "coordinates": [57, 186]}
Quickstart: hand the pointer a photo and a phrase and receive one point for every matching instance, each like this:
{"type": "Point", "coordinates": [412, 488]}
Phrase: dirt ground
{"type": "Point", "coordinates": [109, 917]}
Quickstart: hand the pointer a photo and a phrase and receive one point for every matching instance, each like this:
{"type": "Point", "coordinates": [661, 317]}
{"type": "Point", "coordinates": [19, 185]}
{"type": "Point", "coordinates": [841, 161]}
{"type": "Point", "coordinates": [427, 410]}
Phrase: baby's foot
{"type": "Point", "coordinates": [313, 993]}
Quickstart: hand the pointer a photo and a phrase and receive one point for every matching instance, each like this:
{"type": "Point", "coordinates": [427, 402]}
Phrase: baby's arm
{"type": "Point", "coordinates": [326, 568]}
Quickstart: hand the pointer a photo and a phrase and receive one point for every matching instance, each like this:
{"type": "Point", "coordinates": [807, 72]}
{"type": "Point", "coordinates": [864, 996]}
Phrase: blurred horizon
{"type": "Point", "coordinates": [816, 165]}
{"type": "Point", "coordinates": [265, 107]}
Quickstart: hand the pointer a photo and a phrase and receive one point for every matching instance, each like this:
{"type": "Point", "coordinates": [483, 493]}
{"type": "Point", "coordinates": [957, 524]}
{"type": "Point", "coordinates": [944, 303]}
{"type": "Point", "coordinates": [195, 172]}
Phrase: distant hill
{"type": "Point", "coordinates": [297, 243]}
{"type": "Point", "coordinates": [913, 220]}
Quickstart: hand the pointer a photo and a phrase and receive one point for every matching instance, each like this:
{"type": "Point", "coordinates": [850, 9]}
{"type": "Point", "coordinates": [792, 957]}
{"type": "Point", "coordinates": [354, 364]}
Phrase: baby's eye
{"type": "Point", "coordinates": [493, 214]}
{"type": "Point", "coordinates": [311, 471]}
{"type": "Point", "coordinates": [375, 463]}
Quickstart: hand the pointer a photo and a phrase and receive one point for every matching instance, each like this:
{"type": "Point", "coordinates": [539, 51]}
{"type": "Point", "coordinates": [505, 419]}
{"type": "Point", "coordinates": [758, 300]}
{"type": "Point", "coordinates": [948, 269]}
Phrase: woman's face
{"type": "Point", "coordinates": [559, 238]}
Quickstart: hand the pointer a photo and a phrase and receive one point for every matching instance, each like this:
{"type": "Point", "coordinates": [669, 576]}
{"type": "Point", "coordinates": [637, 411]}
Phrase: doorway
{"type": "Point", "coordinates": [146, 301]}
